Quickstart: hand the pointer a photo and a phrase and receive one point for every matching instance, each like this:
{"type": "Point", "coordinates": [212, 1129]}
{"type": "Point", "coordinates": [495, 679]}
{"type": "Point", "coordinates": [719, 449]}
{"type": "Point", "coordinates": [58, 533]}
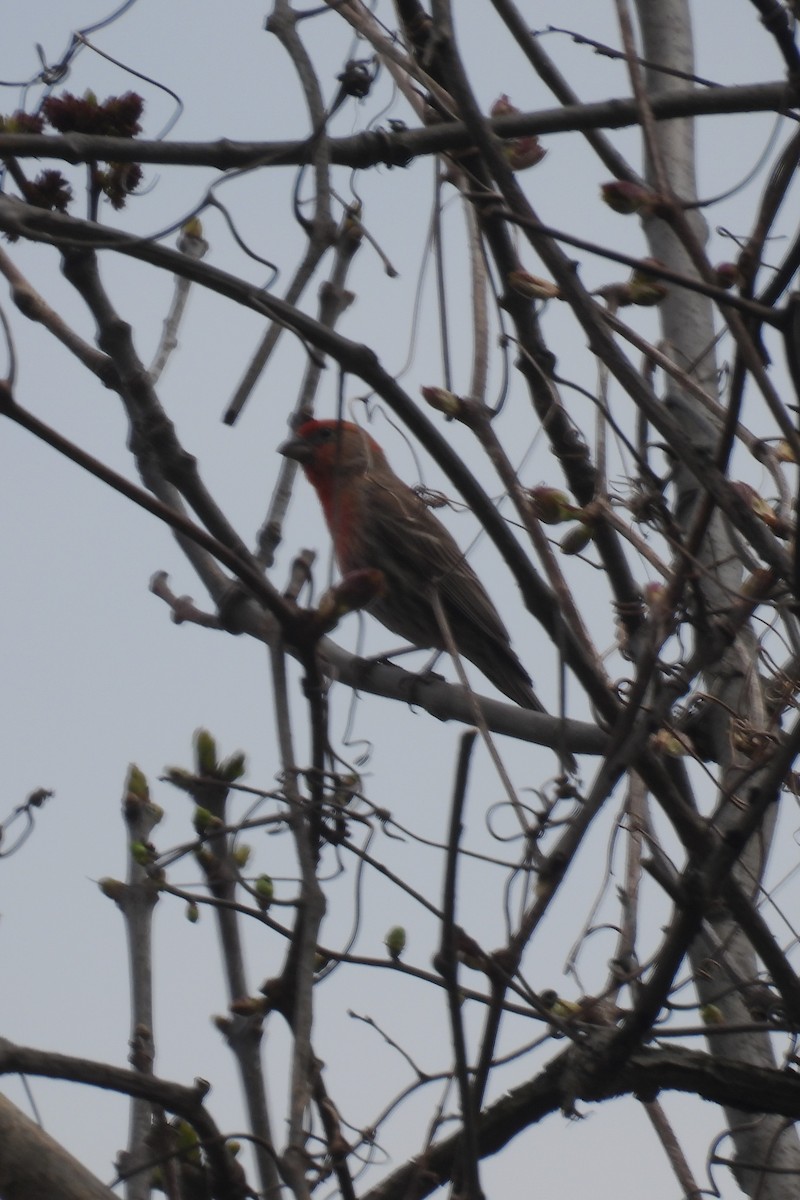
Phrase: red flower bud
{"type": "Point", "coordinates": [758, 584]}
{"type": "Point", "coordinates": [654, 594]}
{"type": "Point", "coordinates": [728, 275]}
{"type": "Point", "coordinates": [502, 107]}
{"type": "Point", "coordinates": [762, 509]}
{"type": "Point", "coordinates": [624, 196]}
{"type": "Point", "coordinates": [524, 152]}
{"type": "Point", "coordinates": [520, 152]}
{"type": "Point", "coordinates": [21, 122]}
{"type": "Point", "coordinates": [551, 506]}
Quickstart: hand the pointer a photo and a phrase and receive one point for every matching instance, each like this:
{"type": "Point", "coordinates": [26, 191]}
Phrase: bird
{"type": "Point", "coordinates": [377, 521]}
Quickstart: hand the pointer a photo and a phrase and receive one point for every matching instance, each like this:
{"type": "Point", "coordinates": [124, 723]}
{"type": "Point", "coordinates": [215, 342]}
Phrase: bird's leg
{"type": "Point", "coordinates": [390, 655]}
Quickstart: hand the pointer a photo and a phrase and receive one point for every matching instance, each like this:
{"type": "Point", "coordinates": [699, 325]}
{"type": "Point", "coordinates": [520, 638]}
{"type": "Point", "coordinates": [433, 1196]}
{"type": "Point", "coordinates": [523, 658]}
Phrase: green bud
{"type": "Point", "coordinates": [192, 913]}
{"type": "Point", "coordinates": [576, 539]}
{"type": "Point", "coordinates": [137, 784]}
{"type": "Point", "coordinates": [264, 889]}
{"type": "Point", "coordinates": [205, 752]}
{"type": "Point", "coordinates": [141, 853]}
{"type": "Point", "coordinates": [203, 820]}
{"type": "Point", "coordinates": [645, 289]}
{"type": "Point", "coordinates": [234, 767]}
{"type": "Point", "coordinates": [180, 778]}
{"type": "Point", "coordinates": [205, 858]}
{"type": "Point", "coordinates": [188, 1141]}
{"type": "Point", "coordinates": [565, 1010]}
{"type": "Point", "coordinates": [395, 941]}
{"type": "Point", "coordinates": [241, 855]}
{"type": "Point", "coordinates": [115, 889]}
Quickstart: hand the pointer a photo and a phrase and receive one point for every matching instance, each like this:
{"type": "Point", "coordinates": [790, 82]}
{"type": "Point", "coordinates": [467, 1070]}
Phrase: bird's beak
{"type": "Point", "coordinates": [296, 448]}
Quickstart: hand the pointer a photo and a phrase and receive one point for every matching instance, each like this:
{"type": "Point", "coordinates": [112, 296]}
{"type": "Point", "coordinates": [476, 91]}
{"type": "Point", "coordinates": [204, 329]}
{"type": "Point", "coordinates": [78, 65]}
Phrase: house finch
{"type": "Point", "coordinates": [376, 520]}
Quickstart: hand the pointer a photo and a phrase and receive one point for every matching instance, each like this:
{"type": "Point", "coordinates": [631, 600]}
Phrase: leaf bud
{"type": "Point", "coordinates": [576, 539]}
{"type": "Point", "coordinates": [551, 505]}
{"type": "Point", "coordinates": [533, 286]}
{"type": "Point", "coordinates": [395, 942]}
{"type": "Point", "coordinates": [264, 889]}
{"type": "Point", "coordinates": [443, 401]}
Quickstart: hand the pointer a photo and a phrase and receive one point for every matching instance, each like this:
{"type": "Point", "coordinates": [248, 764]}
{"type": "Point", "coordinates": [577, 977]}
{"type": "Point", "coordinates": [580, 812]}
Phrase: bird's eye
{"type": "Point", "coordinates": [323, 435]}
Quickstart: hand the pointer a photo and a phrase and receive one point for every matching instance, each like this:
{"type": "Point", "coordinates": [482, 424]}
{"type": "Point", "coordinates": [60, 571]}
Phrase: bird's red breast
{"type": "Point", "coordinates": [339, 459]}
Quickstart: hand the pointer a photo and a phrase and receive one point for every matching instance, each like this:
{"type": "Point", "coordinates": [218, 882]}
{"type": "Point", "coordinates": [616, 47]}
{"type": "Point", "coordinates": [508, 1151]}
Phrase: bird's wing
{"type": "Point", "coordinates": [419, 556]}
{"type": "Point", "coordinates": [423, 549]}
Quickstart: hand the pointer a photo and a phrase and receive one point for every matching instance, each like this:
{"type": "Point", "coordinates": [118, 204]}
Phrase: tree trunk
{"type": "Point", "coordinates": [688, 328]}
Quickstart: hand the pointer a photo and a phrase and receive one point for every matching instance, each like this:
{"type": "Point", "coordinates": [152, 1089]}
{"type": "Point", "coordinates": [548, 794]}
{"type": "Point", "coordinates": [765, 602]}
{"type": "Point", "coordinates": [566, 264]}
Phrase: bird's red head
{"type": "Point", "coordinates": [333, 450]}
{"type": "Point", "coordinates": [341, 461]}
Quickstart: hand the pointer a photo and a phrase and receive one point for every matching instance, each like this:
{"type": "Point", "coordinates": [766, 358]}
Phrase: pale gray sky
{"type": "Point", "coordinates": [95, 675]}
